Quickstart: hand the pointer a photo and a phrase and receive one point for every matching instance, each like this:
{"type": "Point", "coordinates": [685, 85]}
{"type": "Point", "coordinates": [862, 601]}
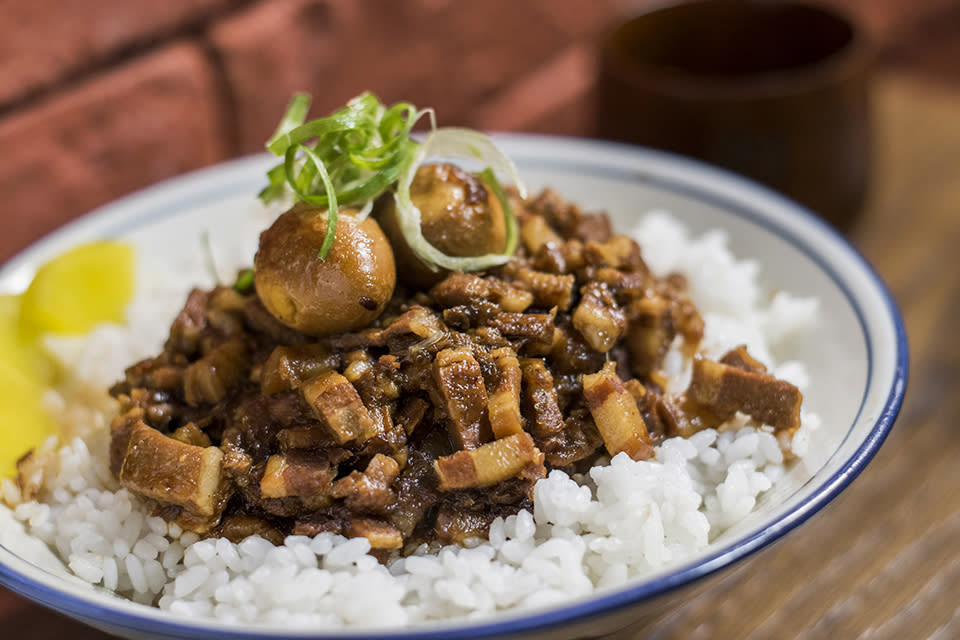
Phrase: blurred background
{"type": "Point", "coordinates": [107, 96]}
{"type": "Point", "coordinates": [111, 95]}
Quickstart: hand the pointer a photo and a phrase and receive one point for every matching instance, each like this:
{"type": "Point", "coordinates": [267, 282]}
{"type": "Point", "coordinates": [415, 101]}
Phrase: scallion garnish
{"type": "Point", "coordinates": [490, 179]}
{"type": "Point", "coordinates": [347, 158]}
{"type": "Point", "coordinates": [244, 283]}
{"type": "Point", "coordinates": [453, 142]}
{"type": "Point", "coordinates": [364, 150]}
{"type": "Point", "coordinates": [208, 260]}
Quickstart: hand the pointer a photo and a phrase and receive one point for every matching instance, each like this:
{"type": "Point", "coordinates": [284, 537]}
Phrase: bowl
{"type": "Point", "coordinates": [857, 362]}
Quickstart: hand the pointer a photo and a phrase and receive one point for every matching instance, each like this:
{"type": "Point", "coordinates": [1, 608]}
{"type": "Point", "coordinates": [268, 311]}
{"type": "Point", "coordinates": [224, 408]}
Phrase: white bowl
{"type": "Point", "coordinates": [857, 362]}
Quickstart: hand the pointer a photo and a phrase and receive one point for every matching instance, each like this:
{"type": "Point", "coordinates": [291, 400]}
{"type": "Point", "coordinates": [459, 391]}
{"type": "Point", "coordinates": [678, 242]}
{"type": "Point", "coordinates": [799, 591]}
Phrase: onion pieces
{"type": "Point", "coordinates": [364, 150]}
{"type": "Point", "coordinates": [455, 142]}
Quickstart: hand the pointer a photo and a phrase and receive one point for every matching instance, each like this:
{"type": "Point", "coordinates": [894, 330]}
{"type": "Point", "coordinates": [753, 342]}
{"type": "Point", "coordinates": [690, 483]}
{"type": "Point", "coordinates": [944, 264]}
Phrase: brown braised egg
{"type": "Point", "coordinates": [459, 216]}
{"type": "Point", "coordinates": [345, 291]}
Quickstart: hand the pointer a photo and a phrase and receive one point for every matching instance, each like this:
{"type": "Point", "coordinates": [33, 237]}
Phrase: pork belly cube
{"type": "Point", "coordinates": [548, 289]}
{"type": "Point", "coordinates": [626, 286]}
{"type": "Point", "coordinates": [503, 406]}
{"type": "Point", "coordinates": [571, 353]}
{"type": "Point", "coordinates": [741, 359]}
{"type": "Point", "coordinates": [456, 525]}
{"type": "Point", "coordinates": [369, 491]}
{"type": "Point", "coordinates": [173, 472]}
{"type": "Point", "coordinates": [651, 330]}
{"type": "Point", "coordinates": [726, 389]}
{"type": "Point", "coordinates": [382, 535]}
{"type": "Point", "coordinates": [620, 252]}
{"type": "Point", "coordinates": [509, 297]}
{"type": "Point", "coordinates": [541, 404]}
{"type": "Point", "coordinates": [336, 403]}
{"type": "Point", "coordinates": [536, 327]}
{"type": "Point", "coordinates": [297, 474]}
{"type": "Point", "coordinates": [237, 527]}
{"type": "Point", "coordinates": [599, 318]}
{"type": "Point", "coordinates": [375, 379]}
{"type": "Point", "coordinates": [616, 415]}
{"type": "Point", "coordinates": [562, 440]}
{"type": "Point", "coordinates": [590, 227]}
{"type": "Point", "coordinates": [190, 433]}
{"type": "Point", "coordinates": [121, 426]}
{"type": "Point", "coordinates": [535, 232]}
{"type": "Point", "coordinates": [417, 329]}
{"type": "Point", "coordinates": [463, 396]}
{"type": "Point", "coordinates": [236, 463]}
{"type": "Point", "coordinates": [410, 413]}
{"type": "Point", "coordinates": [489, 464]}
{"type": "Point", "coordinates": [684, 416]}
{"type": "Point", "coordinates": [560, 258]}
{"type": "Point", "coordinates": [304, 438]}
{"type": "Point", "coordinates": [461, 289]}
{"type": "Point", "coordinates": [188, 326]}
{"type": "Point", "coordinates": [210, 378]}
{"type": "Point", "coordinates": [288, 366]}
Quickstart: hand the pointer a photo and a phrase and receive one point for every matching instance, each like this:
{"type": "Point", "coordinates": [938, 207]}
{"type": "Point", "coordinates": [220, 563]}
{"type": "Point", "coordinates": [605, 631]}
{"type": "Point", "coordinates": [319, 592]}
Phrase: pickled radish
{"type": "Point", "coordinates": [24, 423]}
{"type": "Point", "coordinates": [24, 372]}
{"type": "Point", "coordinates": [79, 289]}
{"type": "Point", "coordinates": [72, 293]}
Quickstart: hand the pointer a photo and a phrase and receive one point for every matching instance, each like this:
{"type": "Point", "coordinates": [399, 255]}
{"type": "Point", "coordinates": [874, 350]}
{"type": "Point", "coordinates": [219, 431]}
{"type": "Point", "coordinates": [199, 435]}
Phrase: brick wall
{"type": "Point", "coordinates": [101, 97]}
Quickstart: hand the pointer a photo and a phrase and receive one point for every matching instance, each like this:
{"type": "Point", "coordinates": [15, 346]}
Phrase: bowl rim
{"type": "Point", "coordinates": [734, 193]}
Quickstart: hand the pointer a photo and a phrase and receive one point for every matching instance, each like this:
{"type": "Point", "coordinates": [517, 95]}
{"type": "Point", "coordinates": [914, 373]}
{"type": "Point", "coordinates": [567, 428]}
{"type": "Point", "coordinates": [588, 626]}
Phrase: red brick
{"type": "Point", "coordinates": [587, 18]}
{"type": "Point", "coordinates": [533, 102]}
{"type": "Point", "coordinates": [152, 118]}
{"type": "Point", "coordinates": [44, 41]}
{"type": "Point", "coordinates": [449, 55]}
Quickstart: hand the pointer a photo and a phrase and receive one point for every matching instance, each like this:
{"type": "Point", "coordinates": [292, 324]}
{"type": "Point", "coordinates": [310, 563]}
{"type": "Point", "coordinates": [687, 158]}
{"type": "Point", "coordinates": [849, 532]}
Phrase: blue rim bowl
{"type": "Point", "coordinates": [858, 365]}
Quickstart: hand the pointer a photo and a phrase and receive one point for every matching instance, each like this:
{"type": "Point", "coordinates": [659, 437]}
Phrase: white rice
{"type": "Point", "coordinates": [617, 523]}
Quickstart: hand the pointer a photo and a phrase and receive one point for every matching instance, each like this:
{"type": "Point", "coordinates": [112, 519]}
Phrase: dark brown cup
{"type": "Point", "coordinates": [777, 91]}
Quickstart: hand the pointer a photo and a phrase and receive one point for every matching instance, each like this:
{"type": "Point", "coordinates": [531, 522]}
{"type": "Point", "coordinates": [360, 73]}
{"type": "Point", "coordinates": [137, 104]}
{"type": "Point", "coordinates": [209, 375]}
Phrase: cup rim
{"type": "Point", "coordinates": [837, 66]}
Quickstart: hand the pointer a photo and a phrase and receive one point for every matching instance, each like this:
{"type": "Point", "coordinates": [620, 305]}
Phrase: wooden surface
{"type": "Point", "coordinates": [883, 560]}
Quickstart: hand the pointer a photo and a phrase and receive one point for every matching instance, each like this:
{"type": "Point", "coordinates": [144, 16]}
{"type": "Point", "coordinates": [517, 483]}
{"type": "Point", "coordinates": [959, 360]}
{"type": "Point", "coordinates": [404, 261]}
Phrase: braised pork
{"type": "Point", "coordinates": [440, 415]}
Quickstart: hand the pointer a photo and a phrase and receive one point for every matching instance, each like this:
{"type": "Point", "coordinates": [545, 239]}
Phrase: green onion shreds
{"type": "Point", "coordinates": [365, 149]}
{"type": "Point", "coordinates": [244, 283]}
{"type": "Point", "coordinates": [454, 142]}
{"type": "Point", "coordinates": [347, 158]}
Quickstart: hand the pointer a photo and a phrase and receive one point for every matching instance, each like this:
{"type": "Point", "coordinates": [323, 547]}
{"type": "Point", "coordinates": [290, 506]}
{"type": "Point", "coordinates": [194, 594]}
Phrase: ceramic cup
{"type": "Point", "coordinates": [775, 90]}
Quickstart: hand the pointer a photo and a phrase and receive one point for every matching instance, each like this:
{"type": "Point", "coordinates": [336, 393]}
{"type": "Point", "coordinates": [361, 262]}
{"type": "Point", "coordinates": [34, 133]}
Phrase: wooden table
{"type": "Point", "coordinates": [883, 560]}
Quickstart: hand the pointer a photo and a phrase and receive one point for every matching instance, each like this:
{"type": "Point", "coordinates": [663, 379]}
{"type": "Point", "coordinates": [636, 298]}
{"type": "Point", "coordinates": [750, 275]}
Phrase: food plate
{"type": "Point", "coordinates": [857, 360]}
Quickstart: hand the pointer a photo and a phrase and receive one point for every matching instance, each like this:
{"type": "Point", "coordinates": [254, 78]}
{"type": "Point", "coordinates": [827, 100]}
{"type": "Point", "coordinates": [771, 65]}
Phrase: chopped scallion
{"type": "Point", "coordinates": [364, 150]}
{"type": "Point", "coordinates": [244, 283]}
